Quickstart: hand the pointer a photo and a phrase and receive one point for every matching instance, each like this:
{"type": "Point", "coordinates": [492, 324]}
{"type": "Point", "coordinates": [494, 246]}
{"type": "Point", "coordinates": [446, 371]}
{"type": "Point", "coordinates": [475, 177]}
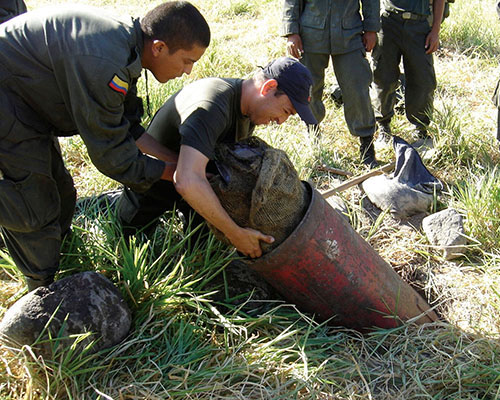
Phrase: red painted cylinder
{"type": "Point", "coordinates": [326, 268]}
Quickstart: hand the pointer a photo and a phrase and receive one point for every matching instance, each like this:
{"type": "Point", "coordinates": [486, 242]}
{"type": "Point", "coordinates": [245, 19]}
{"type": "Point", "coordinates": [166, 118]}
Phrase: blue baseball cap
{"type": "Point", "coordinates": [296, 81]}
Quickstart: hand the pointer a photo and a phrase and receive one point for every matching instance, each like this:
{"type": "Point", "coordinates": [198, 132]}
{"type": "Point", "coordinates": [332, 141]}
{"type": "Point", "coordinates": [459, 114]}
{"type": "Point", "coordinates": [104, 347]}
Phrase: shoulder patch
{"type": "Point", "coordinates": [118, 85]}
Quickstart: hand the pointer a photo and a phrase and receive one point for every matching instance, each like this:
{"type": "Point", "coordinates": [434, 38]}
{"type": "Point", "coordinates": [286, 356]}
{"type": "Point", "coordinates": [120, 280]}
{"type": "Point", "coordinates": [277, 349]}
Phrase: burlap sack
{"type": "Point", "coordinates": [260, 189]}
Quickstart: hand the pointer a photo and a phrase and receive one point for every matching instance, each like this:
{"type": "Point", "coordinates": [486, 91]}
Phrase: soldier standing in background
{"type": "Point", "coordinates": [406, 33]}
{"type": "Point", "coordinates": [318, 30]}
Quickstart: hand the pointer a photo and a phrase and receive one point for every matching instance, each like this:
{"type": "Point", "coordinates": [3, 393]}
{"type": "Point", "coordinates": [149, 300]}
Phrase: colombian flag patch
{"type": "Point", "coordinates": [118, 85]}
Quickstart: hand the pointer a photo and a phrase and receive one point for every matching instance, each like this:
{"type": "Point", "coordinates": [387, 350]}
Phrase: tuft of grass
{"type": "Point", "coordinates": [473, 28]}
{"type": "Point", "coordinates": [479, 198]}
{"type": "Point", "coordinates": [452, 146]}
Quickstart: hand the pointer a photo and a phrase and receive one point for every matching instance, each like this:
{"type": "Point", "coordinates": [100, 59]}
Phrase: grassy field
{"type": "Point", "coordinates": [187, 342]}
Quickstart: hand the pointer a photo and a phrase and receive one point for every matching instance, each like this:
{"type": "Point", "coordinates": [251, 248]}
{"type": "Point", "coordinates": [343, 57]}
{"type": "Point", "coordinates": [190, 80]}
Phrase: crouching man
{"type": "Point", "coordinates": [191, 124]}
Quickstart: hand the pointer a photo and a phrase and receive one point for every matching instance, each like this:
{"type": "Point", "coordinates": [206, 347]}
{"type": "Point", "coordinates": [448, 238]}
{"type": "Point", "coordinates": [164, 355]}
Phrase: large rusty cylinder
{"type": "Point", "coordinates": [327, 269]}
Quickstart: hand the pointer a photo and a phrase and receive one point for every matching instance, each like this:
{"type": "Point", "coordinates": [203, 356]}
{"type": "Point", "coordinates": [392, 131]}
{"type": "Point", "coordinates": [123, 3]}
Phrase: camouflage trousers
{"type": "Point", "coordinates": [354, 77]}
{"type": "Point", "coordinates": [403, 39]}
{"type": "Point", "coordinates": [37, 196]}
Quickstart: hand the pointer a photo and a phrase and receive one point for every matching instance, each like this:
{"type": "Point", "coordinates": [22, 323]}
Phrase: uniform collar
{"type": "Point", "coordinates": [135, 66]}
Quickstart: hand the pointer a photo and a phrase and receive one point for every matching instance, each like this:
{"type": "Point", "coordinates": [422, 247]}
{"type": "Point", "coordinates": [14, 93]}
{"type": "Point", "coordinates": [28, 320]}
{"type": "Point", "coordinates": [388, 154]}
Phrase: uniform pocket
{"type": "Point", "coordinates": [313, 17]}
{"type": "Point", "coordinates": [352, 19]}
{"type": "Point", "coordinates": [29, 204]}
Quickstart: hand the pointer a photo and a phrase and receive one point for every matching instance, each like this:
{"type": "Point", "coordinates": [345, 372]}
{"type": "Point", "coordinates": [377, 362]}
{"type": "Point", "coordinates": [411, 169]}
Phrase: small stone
{"type": "Point", "coordinates": [445, 229]}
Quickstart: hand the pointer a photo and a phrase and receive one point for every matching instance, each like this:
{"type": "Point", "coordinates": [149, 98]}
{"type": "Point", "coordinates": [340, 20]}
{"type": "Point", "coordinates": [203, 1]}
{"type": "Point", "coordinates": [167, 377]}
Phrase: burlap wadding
{"type": "Point", "coordinates": [260, 189]}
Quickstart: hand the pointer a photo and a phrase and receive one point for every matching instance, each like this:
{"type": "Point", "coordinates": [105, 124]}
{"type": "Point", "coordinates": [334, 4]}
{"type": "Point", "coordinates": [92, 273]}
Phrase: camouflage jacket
{"type": "Point", "coordinates": [73, 71]}
{"type": "Point", "coordinates": [330, 26]}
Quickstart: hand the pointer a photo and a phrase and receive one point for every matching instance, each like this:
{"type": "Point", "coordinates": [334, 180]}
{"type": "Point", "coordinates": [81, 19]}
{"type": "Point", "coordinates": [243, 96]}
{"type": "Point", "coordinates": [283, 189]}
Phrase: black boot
{"type": "Point", "coordinates": [384, 138]}
{"type": "Point", "coordinates": [367, 152]}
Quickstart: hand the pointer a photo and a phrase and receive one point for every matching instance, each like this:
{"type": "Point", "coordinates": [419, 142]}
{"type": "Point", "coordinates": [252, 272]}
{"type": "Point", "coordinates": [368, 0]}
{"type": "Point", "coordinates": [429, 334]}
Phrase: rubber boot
{"type": "Point", "coordinates": [367, 152]}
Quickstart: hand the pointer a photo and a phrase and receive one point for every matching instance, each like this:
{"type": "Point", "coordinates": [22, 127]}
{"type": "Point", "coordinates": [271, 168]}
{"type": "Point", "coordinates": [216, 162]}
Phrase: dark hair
{"type": "Point", "coordinates": [178, 23]}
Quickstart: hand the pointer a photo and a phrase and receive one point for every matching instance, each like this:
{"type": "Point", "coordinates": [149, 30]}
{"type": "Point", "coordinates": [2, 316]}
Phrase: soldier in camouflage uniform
{"type": "Point", "coordinates": [407, 34]}
{"type": "Point", "coordinates": [10, 8]}
{"type": "Point", "coordinates": [318, 30]}
{"type": "Point", "coordinates": [70, 71]}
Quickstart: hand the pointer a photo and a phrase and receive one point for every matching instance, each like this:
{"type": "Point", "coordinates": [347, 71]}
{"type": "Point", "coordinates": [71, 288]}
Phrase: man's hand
{"type": "Point", "coordinates": [432, 42]}
{"type": "Point", "coordinates": [247, 241]}
{"type": "Point", "coordinates": [432, 39]}
{"type": "Point", "coordinates": [369, 40]}
{"type": "Point", "coordinates": [294, 45]}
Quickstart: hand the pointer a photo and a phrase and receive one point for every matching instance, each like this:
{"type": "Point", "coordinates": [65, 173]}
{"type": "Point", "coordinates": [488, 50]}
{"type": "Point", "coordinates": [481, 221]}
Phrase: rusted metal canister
{"type": "Point", "coordinates": [327, 269]}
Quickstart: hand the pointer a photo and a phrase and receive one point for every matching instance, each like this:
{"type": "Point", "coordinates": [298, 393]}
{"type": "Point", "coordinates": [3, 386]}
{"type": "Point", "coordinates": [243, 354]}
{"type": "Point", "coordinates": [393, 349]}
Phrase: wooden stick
{"type": "Point", "coordinates": [357, 180]}
{"type": "Point", "coordinates": [337, 171]}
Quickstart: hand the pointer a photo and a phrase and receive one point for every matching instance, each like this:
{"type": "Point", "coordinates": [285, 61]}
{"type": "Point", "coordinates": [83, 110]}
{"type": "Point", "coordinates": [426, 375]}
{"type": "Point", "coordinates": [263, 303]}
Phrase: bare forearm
{"type": "Point", "coordinates": [199, 194]}
{"type": "Point", "coordinates": [191, 183]}
{"type": "Point", "coordinates": [149, 145]}
{"type": "Point", "coordinates": [169, 171]}
{"type": "Point", "coordinates": [437, 11]}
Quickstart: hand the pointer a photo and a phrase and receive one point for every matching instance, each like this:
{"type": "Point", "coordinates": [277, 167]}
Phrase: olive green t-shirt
{"type": "Point", "coordinates": [421, 7]}
{"type": "Point", "coordinates": [201, 115]}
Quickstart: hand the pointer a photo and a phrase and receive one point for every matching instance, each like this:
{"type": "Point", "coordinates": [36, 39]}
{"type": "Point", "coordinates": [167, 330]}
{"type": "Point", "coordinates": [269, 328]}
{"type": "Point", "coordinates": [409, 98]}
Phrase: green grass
{"type": "Point", "coordinates": [192, 339]}
{"type": "Point", "coordinates": [472, 28]}
{"type": "Point", "coordinates": [479, 198]}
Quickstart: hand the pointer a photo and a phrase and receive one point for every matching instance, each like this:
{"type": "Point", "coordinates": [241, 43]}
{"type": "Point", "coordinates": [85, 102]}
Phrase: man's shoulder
{"type": "Point", "coordinates": [215, 85]}
{"type": "Point", "coordinates": [210, 91]}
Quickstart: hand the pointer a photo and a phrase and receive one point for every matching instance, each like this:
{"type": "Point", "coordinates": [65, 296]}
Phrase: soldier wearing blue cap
{"type": "Point", "coordinates": [193, 121]}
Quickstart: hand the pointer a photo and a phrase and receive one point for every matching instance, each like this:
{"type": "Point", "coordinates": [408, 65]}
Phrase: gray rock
{"type": "Point", "coordinates": [87, 301]}
{"type": "Point", "coordinates": [338, 204]}
{"type": "Point", "coordinates": [401, 200]}
{"type": "Point", "coordinates": [445, 229]}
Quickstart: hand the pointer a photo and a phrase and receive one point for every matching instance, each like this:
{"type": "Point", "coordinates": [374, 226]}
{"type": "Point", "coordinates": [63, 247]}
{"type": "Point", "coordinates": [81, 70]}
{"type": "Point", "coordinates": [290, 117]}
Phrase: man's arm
{"type": "Point", "coordinates": [290, 27]}
{"type": "Point", "coordinates": [432, 40]}
{"type": "Point", "coordinates": [149, 145]}
{"type": "Point", "coordinates": [191, 183]}
{"type": "Point", "coordinates": [371, 16]}
{"type": "Point", "coordinates": [371, 23]}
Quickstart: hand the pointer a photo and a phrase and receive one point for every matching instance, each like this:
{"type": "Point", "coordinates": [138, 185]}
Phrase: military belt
{"type": "Point", "coordinates": [406, 15]}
